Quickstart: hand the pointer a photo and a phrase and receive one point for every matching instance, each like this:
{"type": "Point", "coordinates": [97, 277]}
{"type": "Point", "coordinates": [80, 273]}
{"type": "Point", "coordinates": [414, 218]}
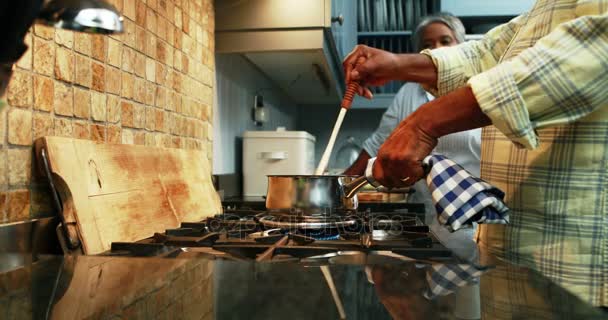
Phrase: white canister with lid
{"type": "Point", "coordinates": [275, 153]}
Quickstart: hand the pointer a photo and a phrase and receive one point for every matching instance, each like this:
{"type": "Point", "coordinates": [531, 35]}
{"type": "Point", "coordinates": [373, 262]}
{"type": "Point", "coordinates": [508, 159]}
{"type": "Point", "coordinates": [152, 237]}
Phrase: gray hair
{"type": "Point", "coordinates": [443, 17]}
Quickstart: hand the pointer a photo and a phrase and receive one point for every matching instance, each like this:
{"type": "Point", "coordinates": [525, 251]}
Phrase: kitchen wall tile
{"type": "Point", "coordinates": [177, 14]}
{"type": "Point", "coordinates": [20, 90]}
{"type": "Point", "coordinates": [82, 103]}
{"type": "Point", "coordinates": [3, 172]}
{"type": "Point", "coordinates": [63, 127]}
{"type": "Point", "coordinates": [20, 127]}
{"type": "Point", "coordinates": [83, 74]}
{"type": "Point", "coordinates": [44, 56]}
{"type": "Point", "coordinates": [128, 59]}
{"type": "Point", "coordinates": [186, 23]}
{"type": "Point", "coordinates": [139, 66]}
{"type": "Point", "coordinates": [149, 139]}
{"type": "Point", "coordinates": [150, 69]}
{"type": "Point", "coordinates": [127, 136]}
{"type": "Point", "coordinates": [167, 142]}
{"type": "Point", "coordinates": [151, 20]}
{"type": "Point", "coordinates": [18, 206]}
{"type": "Point", "coordinates": [81, 130]}
{"type": "Point", "coordinates": [114, 109]}
{"type": "Point", "coordinates": [159, 119]}
{"type": "Point", "coordinates": [140, 39]}
{"type": "Point", "coordinates": [178, 61]}
{"type": "Point", "coordinates": [43, 93]}
{"type": "Point", "coordinates": [139, 93]}
{"type": "Point", "coordinates": [127, 116]}
{"type": "Point", "coordinates": [129, 35]}
{"type": "Point", "coordinates": [3, 125]}
{"type": "Point", "coordinates": [127, 85]}
{"type": "Point", "coordinates": [64, 38]}
{"type": "Point", "coordinates": [43, 125]}
{"type": "Point", "coordinates": [64, 65]}
{"type": "Point", "coordinates": [139, 116]}
{"type": "Point", "coordinates": [153, 4]}
{"type": "Point", "coordinates": [63, 103]}
{"type": "Point", "coordinates": [99, 47]}
{"type": "Point", "coordinates": [139, 138]}
{"type": "Point", "coordinates": [99, 77]}
{"type": "Point", "coordinates": [150, 93]}
{"type": "Point", "coordinates": [25, 62]}
{"type": "Point", "coordinates": [161, 73]}
{"type": "Point", "coordinates": [113, 134]}
{"type": "Point", "coordinates": [162, 8]}
{"type": "Point", "coordinates": [114, 52]}
{"type": "Point", "coordinates": [161, 51]}
{"type": "Point", "coordinates": [112, 80]}
{"type": "Point", "coordinates": [209, 131]}
{"type": "Point", "coordinates": [171, 34]}
{"type": "Point", "coordinates": [82, 43]}
{"type": "Point", "coordinates": [19, 167]}
{"type": "Point", "coordinates": [178, 38]}
{"type": "Point", "coordinates": [176, 142]}
{"type": "Point", "coordinates": [161, 97]}
{"type": "Point", "coordinates": [140, 14]}
{"type": "Point", "coordinates": [117, 4]}
{"type": "Point", "coordinates": [150, 122]}
{"type": "Point", "coordinates": [129, 9]}
{"type": "Point", "coordinates": [161, 28]}
{"type": "Point", "coordinates": [98, 106]}
{"type": "Point", "coordinates": [3, 205]}
{"type": "Point", "coordinates": [150, 44]}
{"type": "Point", "coordinates": [98, 132]}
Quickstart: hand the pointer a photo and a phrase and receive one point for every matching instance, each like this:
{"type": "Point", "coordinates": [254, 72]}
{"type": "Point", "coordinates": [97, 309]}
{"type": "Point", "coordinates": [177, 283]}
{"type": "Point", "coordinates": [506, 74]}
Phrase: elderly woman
{"type": "Point", "coordinates": [441, 30]}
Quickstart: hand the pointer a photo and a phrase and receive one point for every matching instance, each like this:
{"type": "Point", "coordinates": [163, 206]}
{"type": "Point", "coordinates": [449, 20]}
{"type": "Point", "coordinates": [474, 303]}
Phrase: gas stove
{"type": "Point", "coordinates": [256, 235]}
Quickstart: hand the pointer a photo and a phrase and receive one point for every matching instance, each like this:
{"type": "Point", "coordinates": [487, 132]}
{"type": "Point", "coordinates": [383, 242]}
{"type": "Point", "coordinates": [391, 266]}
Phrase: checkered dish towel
{"type": "Point", "coordinates": [460, 198]}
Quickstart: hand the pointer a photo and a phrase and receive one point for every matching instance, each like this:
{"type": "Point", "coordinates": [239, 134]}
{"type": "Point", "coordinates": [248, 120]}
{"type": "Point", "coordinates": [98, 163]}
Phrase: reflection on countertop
{"type": "Point", "coordinates": [101, 287]}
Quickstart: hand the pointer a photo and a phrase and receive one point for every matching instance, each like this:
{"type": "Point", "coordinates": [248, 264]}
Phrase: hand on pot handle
{"type": "Point", "coordinates": [371, 180]}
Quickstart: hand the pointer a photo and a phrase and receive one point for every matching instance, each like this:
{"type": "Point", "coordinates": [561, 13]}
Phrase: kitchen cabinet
{"type": "Point", "coordinates": [389, 25]}
{"type": "Point", "coordinates": [299, 45]}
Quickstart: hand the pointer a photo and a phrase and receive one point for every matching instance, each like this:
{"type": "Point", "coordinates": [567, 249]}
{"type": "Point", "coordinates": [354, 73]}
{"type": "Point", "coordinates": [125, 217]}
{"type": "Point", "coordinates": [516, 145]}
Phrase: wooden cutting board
{"type": "Point", "coordinates": [113, 192]}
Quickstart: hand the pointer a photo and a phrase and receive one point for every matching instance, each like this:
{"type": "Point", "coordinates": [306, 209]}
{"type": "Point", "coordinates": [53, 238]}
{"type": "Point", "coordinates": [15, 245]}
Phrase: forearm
{"type": "Point", "coordinates": [454, 112]}
{"type": "Point", "coordinates": [416, 68]}
{"type": "Point", "coordinates": [358, 167]}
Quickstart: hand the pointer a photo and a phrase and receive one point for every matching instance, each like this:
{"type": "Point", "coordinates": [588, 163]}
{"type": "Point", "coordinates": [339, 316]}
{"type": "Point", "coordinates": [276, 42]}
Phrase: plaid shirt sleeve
{"type": "Point", "coordinates": [559, 80]}
{"type": "Point", "coordinates": [455, 65]}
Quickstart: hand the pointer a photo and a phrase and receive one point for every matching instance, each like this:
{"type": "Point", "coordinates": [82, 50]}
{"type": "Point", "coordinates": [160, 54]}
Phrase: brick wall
{"type": "Point", "coordinates": [151, 85]}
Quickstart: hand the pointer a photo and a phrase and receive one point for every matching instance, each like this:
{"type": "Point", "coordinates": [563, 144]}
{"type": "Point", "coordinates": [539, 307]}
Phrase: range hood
{"type": "Point", "coordinates": [290, 41]}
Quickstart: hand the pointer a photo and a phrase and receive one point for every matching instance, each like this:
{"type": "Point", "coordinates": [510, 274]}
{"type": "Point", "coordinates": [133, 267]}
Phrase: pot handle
{"type": "Point", "coordinates": [354, 186]}
{"type": "Point", "coordinates": [351, 189]}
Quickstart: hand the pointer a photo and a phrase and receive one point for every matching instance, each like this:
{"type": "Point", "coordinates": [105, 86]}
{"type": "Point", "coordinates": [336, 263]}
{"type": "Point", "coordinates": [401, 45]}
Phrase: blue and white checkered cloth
{"type": "Point", "coordinates": [460, 198]}
{"type": "Point", "coordinates": [444, 279]}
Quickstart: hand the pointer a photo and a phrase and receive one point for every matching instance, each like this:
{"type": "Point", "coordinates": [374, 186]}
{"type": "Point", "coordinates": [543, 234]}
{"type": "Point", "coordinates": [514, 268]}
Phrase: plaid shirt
{"type": "Point", "coordinates": [543, 80]}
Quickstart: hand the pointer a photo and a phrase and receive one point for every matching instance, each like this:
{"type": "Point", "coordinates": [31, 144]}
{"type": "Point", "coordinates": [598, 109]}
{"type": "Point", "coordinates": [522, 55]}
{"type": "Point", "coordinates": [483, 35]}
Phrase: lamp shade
{"type": "Point", "coordinates": [92, 16]}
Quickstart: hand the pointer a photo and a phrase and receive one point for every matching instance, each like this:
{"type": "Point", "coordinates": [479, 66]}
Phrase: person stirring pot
{"type": "Point", "coordinates": [435, 31]}
{"type": "Point", "coordinates": [537, 86]}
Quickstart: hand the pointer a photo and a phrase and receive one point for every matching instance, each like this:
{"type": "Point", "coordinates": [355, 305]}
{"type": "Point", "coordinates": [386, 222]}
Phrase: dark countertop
{"type": "Point", "coordinates": [98, 287]}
